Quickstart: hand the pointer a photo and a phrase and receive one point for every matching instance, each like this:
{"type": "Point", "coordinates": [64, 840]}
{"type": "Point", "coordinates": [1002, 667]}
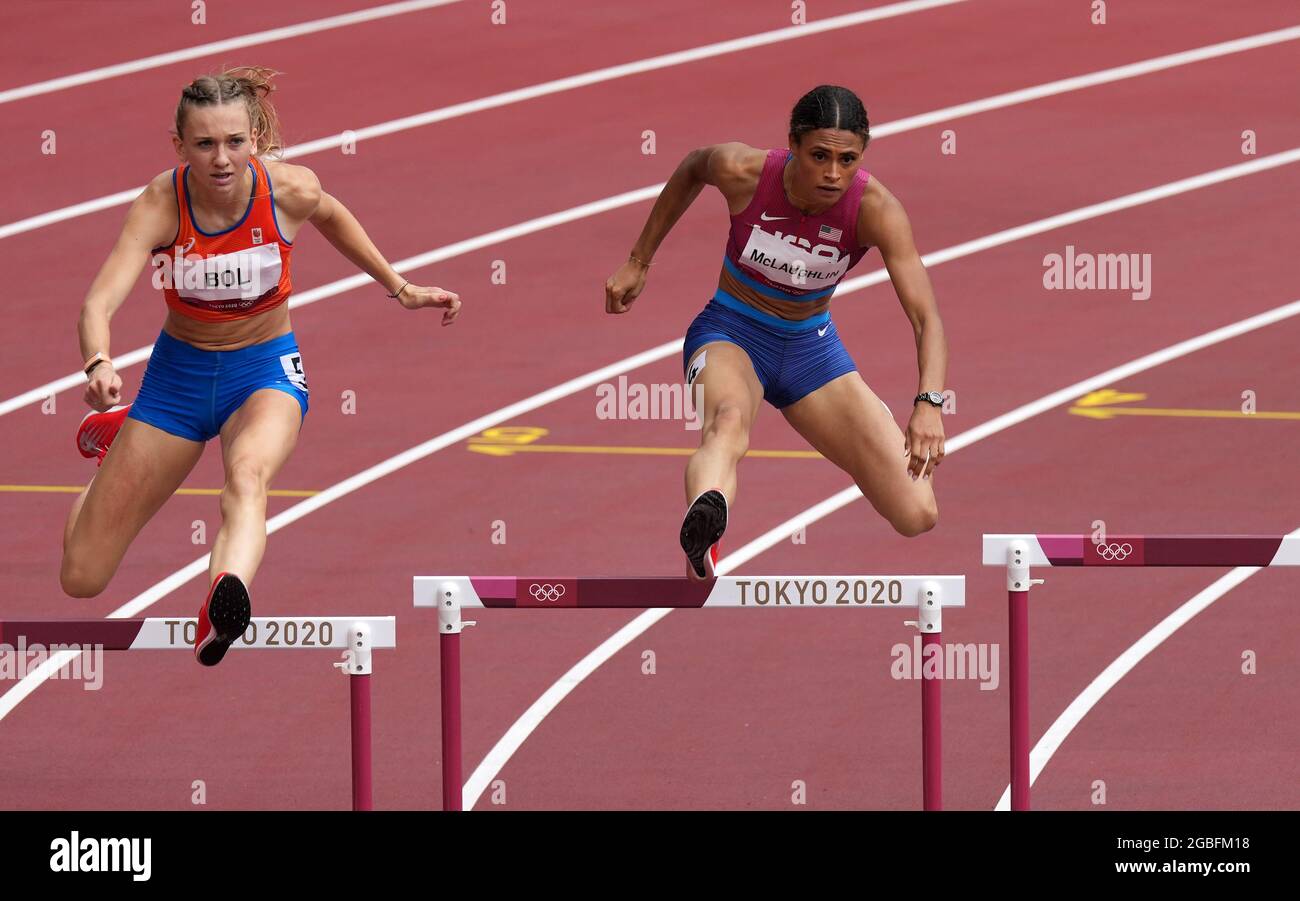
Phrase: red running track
{"type": "Point", "coordinates": [740, 707]}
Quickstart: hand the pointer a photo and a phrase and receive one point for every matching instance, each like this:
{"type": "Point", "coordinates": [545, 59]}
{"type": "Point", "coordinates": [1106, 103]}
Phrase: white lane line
{"type": "Point", "coordinates": [29, 683]}
{"type": "Point", "coordinates": [504, 749]}
{"type": "Point", "coordinates": [552, 220]}
{"type": "Point", "coordinates": [103, 73]}
{"type": "Point", "coordinates": [514, 737]}
{"type": "Point", "coordinates": [14, 695]}
{"type": "Point", "coordinates": [519, 95]}
{"type": "Point", "coordinates": [1120, 667]}
{"type": "Point", "coordinates": [638, 67]}
{"type": "Point", "coordinates": [141, 602]}
{"type": "Point", "coordinates": [360, 280]}
{"type": "Point", "coordinates": [1083, 213]}
{"type": "Point", "coordinates": [998, 101]}
{"type": "Point", "coordinates": [1102, 76]}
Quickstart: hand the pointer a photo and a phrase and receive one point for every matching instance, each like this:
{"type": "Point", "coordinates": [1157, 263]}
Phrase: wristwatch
{"type": "Point", "coordinates": [932, 397]}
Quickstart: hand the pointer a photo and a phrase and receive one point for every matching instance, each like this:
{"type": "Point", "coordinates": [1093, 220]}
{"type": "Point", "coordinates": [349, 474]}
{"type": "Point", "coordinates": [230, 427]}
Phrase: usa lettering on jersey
{"type": "Point", "coordinates": [793, 261]}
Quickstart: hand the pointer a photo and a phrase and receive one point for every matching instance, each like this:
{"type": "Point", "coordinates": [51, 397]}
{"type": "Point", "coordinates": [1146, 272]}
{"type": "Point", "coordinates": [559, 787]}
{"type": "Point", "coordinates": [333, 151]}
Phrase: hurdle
{"type": "Point", "coordinates": [1020, 552]}
{"type": "Point", "coordinates": [356, 636]}
{"type": "Point", "coordinates": [927, 594]}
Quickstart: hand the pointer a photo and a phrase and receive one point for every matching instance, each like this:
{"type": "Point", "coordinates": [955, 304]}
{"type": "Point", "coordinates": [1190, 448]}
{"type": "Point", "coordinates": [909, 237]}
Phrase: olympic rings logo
{"type": "Point", "coordinates": [543, 592]}
{"type": "Point", "coordinates": [1114, 551]}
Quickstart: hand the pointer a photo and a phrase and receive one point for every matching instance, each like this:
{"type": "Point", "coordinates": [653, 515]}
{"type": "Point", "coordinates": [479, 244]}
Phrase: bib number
{"type": "Point", "coordinates": [292, 365]}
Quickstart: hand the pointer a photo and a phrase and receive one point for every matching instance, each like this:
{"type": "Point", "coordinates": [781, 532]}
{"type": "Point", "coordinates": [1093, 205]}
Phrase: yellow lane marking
{"type": "Point", "coordinates": [1107, 396]}
{"type": "Point", "coordinates": [505, 441]}
{"type": "Point", "coordinates": [1097, 406]}
{"type": "Point", "coordinates": [1096, 413]}
{"type": "Point", "coordinates": [499, 450]}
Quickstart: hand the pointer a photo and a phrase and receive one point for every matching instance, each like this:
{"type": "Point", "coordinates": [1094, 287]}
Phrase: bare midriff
{"type": "Point", "coordinates": [230, 335]}
{"type": "Point", "coordinates": [792, 310]}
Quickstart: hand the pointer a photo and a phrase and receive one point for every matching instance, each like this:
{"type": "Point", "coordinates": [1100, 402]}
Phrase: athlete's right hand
{"type": "Point", "coordinates": [105, 388]}
{"type": "Point", "coordinates": [624, 286]}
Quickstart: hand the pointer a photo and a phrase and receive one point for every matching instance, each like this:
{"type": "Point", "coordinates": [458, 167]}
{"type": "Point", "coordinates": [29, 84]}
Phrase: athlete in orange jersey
{"type": "Point", "coordinates": [219, 231]}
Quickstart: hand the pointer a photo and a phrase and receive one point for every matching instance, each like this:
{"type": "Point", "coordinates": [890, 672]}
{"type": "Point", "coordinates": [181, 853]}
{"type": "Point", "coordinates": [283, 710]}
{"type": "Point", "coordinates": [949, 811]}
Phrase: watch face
{"type": "Point", "coordinates": [936, 398]}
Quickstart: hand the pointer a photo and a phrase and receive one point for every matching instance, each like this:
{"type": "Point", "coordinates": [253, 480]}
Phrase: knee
{"type": "Point", "coordinates": [728, 425]}
{"type": "Point", "coordinates": [79, 580]}
{"type": "Point", "coordinates": [918, 520]}
{"type": "Point", "coordinates": [246, 482]}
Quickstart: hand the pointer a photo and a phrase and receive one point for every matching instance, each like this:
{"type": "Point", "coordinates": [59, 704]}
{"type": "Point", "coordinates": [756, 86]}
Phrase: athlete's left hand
{"type": "Point", "coordinates": [923, 444]}
{"type": "Point", "coordinates": [414, 297]}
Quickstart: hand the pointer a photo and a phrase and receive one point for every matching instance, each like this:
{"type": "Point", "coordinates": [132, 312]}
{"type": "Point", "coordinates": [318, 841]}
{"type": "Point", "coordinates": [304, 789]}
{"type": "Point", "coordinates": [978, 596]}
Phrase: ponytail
{"type": "Point", "coordinates": [250, 85]}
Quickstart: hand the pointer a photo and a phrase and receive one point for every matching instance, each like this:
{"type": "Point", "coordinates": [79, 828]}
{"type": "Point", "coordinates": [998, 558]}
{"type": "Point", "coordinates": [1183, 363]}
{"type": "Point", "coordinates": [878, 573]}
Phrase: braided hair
{"type": "Point", "coordinates": [829, 106]}
{"type": "Point", "coordinates": [249, 85]}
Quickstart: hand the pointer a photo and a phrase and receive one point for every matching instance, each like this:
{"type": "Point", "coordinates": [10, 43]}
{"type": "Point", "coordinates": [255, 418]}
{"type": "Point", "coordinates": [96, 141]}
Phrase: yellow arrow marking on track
{"type": "Point", "coordinates": [497, 450]}
{"type": "Point", "coordinates": [509, 440]}
{"type": "Point", "coordinates": [1096, 406]}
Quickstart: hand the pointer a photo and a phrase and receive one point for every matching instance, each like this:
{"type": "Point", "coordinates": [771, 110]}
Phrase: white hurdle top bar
{"type": "Point", "coordinates": [177, 633]}
{"type": "Point", "coordinates": [1147, 550]}
{"type": "Point", "coordinates": [840, 592]}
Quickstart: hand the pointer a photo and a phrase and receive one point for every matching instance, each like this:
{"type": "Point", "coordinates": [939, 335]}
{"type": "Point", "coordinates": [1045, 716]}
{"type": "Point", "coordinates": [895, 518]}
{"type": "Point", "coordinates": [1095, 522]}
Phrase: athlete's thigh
{"type": "Point", "coordinates": [849, 425]}
{"type": "Point", "coordinates": [262, 433]}
{"type": "Point", "coordinates": [144, 467]}
{"type": "Point", "coordinates": [725, 376]}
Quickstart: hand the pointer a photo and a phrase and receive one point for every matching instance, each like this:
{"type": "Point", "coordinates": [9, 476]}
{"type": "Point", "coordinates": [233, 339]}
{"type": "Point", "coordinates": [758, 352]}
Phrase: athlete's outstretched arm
{"type": "Point", "coordinates": [719, 165]}
{"type": "Point", "coordinates": [336, 222]}
{"type": "Point", "coordinates": [141, 232]}
{"type": "Point", "coordinates": [883, 222]}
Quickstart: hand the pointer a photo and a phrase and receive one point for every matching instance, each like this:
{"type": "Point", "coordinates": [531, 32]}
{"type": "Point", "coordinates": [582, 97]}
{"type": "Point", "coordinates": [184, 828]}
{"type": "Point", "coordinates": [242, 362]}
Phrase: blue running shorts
{"type": "Point", "coordinates": [191, 393]}
{"type": "Point", "coordinates": [792, 359]}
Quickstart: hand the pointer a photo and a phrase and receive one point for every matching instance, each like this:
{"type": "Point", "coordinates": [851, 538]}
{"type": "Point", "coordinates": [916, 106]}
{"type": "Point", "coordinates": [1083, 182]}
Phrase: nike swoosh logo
{"type": "Point", "coordinates": [766, 218]}
{"type": "Point", "coordinates": [821, 332]}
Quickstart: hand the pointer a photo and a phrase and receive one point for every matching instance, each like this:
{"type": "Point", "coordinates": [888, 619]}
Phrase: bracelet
{"type": "Point", "coordinates": [399, 291]}
{"type": "Point", "coordinates": [89, 366]}
{"type": "Point", "coordinates": [642, 262]}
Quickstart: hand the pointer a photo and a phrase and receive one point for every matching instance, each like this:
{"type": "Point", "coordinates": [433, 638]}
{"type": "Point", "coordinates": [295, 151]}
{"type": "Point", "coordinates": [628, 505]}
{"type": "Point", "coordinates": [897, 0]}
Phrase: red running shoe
{"type": "Point", "coordinates": [702, 529]}
{"type": "Point", "coordinates": [97, 431]}
{"type": "Point", "coordinates": [222, 619]}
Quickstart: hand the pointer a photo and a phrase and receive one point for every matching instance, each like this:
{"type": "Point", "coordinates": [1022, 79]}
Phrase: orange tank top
{"type": "Point", "coordinates": [232, 274]}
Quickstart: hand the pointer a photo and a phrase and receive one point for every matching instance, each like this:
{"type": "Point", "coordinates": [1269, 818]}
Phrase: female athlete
{"type": "Point", "coordinates": [219, 231]}
{"type": "Point", "coordinates": [801, 218]}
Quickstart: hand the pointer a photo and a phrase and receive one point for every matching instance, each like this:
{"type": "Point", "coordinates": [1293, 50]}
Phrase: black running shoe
{"type": "Point", "coordinates": [222, 619]}
{"type": "Point", "coordinates": [702, 528]}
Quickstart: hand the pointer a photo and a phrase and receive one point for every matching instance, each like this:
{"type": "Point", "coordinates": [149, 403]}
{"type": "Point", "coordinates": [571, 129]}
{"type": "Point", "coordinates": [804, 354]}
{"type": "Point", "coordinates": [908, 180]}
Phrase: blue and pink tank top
{"type": "Point", "coordinates": [781, 264]}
